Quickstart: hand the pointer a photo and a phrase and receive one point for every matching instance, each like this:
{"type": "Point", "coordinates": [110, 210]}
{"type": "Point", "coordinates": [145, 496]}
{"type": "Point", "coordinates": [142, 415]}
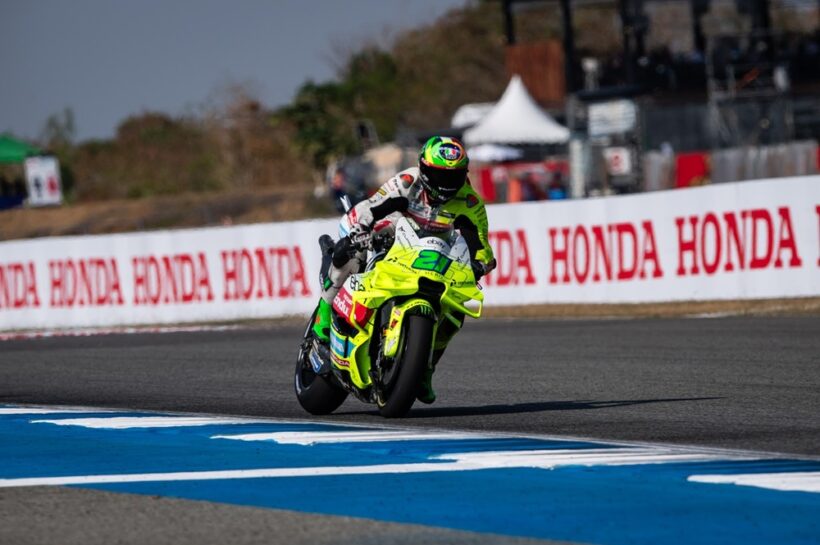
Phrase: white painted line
{"type": "Point", "coordinates": [472, 461]}
{"type": "Point", "coordinates": [323, 437]}
{"type": "Point", "coordinates": [45, 334]}
{"type": "Point", "coordinates": [597, 441]}
{"type": "Point", "coordinates": [806, 481]}
{"type": "Point", "coordinates": [234, 474]}
{"type": "Point", "coordinates": [128, 422]}
{"type": "Point", "coordinates": [41, 410]}
{"type": "Point", "coordinates": [549, 459]}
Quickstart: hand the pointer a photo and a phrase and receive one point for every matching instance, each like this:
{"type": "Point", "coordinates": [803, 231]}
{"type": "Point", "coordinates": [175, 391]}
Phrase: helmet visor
{"type": "Point", "coordinates": [442, 184]}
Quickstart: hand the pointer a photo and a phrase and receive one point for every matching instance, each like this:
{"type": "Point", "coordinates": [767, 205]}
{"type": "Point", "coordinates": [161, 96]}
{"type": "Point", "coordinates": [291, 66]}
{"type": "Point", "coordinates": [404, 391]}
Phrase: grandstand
{"type": "Point", "coordinates": [704, 77]}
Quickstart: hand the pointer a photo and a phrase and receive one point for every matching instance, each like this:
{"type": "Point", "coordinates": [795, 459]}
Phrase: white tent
{"type": "Point", "coordinates": [471, 114]}
{"type": "Point", "coordinates": [494, 153]}
{"type": "Point", "coordinates": [516, 119]}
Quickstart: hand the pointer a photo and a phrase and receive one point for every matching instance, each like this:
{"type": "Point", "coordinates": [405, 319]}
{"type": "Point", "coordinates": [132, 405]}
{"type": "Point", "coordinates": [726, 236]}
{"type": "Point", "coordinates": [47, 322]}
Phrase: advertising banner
{"type": "Point", "coordinates": [43, 179]}
{"type": "Point", "coordinates": [744, 240]}
{"type": "Point", "coordinates": [196, 275]}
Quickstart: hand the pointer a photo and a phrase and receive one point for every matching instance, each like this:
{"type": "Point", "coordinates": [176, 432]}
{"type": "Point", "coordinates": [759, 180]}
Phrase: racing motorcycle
{"type": "Point", "coordinates": [387, 322]}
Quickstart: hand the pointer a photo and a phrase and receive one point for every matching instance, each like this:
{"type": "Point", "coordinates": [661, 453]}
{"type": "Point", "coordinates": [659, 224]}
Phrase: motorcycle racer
{"type": "Point", "coordinates": [437, 195]}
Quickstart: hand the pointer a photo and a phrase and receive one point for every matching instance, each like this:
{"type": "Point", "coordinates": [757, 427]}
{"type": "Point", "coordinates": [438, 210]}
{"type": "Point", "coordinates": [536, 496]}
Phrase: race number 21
{"type": "Point", "coordinates": [431, 260]}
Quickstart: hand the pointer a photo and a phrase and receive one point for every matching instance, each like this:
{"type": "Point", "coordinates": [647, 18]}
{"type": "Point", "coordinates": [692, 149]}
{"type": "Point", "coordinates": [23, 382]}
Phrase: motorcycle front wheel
{"type": "Point", "coordinates": [403, 382]}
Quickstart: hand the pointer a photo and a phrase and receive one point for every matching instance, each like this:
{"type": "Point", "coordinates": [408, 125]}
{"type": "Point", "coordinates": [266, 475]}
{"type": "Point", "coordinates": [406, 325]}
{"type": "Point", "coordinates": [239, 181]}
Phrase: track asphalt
{"type": "Point", "coordinates": [740, 383]}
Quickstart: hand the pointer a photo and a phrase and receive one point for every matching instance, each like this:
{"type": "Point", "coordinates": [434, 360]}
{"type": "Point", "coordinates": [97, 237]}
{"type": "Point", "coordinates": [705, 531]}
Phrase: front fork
{"type": "Point", "coordinates": [388, 328]}
{"type": "Point", "coordinates": [391, 332]}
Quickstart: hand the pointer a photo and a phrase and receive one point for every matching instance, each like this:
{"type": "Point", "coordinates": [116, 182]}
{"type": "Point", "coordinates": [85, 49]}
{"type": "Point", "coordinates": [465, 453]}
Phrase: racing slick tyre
{"type": "Point", "coordinates": [401, 383]}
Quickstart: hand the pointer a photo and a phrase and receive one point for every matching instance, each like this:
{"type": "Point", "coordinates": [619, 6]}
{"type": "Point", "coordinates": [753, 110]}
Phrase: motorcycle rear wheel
{"type": "Point", "coordinates": [316, 394]}
{"type": "Point", "coordinates": [418, 342]}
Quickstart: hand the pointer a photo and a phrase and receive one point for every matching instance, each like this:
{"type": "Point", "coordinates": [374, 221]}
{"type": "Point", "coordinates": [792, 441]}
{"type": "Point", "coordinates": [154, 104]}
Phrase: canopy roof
{"type": "Point", "coordinates": [15, 151]}
{"type": "Point", "coordinates": [470, 114]}
{"type": "Point", "coordinates": [516, 119]}
{"type": "Point", "coordinates": [492, 153]}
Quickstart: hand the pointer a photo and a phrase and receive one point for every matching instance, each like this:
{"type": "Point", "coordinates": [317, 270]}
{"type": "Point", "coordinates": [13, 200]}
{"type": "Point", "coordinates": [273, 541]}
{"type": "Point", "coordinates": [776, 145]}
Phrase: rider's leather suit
{"type": "Point", "coordinates": [403, 195]}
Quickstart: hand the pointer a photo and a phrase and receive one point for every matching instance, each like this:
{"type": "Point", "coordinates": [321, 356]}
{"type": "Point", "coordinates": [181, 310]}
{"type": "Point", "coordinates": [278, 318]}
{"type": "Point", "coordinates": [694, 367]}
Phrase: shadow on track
{"type": "Point", "coordinates": [532, 407]}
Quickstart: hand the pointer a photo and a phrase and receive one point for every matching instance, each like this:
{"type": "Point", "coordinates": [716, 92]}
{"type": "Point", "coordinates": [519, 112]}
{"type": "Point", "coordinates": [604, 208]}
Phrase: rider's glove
{"type": "Point", "coordinates": [480, 268]}
{"type": "Point", "coordinates": [359, 236]}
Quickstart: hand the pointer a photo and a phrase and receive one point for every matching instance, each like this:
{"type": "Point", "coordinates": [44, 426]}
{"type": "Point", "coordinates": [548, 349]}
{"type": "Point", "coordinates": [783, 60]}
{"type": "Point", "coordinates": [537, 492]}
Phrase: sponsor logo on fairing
{"type": "Point", "coordinates": [338, 361]}
{"type": "Point", "coordinates": [343, 302]}
{"type": "Point", "coordinates": [355, 283]}
{"type": "Point", "coordinates": [337, 345]}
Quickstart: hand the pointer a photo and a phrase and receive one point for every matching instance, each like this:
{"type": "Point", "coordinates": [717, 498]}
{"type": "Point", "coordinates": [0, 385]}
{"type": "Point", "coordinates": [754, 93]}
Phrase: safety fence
{"type": "Point", "coordinates": [667, 170]}
{"type": "Point", "coordinates": [744, 240]}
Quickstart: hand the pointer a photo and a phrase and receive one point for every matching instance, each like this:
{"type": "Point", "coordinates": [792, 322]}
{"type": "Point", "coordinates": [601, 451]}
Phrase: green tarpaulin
{"type": "Point", "coordinates": [15, 151]}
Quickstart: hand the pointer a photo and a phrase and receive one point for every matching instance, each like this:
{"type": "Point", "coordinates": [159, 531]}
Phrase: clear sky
{"type": "Point", "coordinates": [107, 59]}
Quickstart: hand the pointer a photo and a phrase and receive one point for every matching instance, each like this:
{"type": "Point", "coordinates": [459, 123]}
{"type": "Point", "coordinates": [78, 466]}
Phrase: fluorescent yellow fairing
{"type": "Point", "coordinates": [397, 277]}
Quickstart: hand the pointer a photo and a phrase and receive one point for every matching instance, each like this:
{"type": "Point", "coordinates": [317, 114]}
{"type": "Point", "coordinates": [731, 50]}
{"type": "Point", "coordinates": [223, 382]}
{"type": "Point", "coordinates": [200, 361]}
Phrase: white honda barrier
{"type": "Point", "coordinates": [733, 241]}
{"type": "Point", "coordinates": [743, 240]}
{"type": "Point", "coordinates": [191, 275]}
